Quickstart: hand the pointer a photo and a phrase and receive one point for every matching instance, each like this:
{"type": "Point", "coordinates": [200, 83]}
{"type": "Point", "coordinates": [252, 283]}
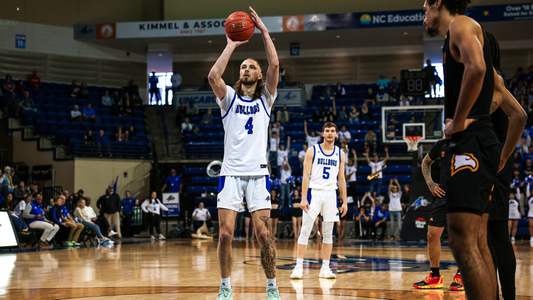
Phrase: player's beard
{"type": "Point", "coordinates": [248, 80]}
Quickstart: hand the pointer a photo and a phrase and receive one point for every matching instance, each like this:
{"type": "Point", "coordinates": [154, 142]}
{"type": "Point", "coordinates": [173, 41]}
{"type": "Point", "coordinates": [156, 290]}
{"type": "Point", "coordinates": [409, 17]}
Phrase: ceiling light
{"type": "Point", "coordinates": [18, 8]}
{"type": "Point", "coordinates": [209, 42]}
{"type": "Point", "coordinates": [338, 36]}
{"type": "Point", "coordinates": [405, 33]}
{"type": "Point", "coordinates": [160, 54]}
{"type": "Point", "coordinates": [273, 39]}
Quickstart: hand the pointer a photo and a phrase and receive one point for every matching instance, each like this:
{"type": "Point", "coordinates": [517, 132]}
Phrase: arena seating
{"type": "Point", "coordinates": [208, 143]}
{"type": "Point", "coordinates": [52, 119]}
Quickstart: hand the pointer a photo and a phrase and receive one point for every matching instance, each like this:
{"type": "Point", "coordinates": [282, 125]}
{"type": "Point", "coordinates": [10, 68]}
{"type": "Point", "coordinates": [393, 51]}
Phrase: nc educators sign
{"type": "Point", "coordinates": [206, 99]}
{"type": "Point", "coordinates": [293, 23]}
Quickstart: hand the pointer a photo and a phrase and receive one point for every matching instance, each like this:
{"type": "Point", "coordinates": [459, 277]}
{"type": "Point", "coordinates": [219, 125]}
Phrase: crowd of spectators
{"type": "Point", "coordinates": [66, 220]}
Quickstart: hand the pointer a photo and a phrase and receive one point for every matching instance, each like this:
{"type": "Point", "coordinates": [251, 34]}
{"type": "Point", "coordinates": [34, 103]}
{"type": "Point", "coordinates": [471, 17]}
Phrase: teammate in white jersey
{"type": "Point", "coordinates": [245, 112]}
{"type": "Point", "coordinates": [323, 174]}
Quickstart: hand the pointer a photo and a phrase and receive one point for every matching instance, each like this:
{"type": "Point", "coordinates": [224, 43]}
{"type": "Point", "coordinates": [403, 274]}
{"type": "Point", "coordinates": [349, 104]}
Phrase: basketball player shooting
{"type": "Point", "coordinates": [473, 154]}
{"type": "Point", "coordinates": [245, 110]}
{"type": "Point", "coordinates": [323, 174]}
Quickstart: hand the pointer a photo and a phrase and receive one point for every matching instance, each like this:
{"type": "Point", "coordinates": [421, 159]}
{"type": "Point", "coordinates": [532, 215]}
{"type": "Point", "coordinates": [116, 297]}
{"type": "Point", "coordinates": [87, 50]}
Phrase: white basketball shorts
{"type": "Point", "coordinates": [233, 189]}
{"type": "Point", "coordinates": [323, 202]}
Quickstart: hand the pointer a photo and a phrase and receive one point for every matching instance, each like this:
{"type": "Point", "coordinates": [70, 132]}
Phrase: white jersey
{"type": "Point", "coordinates": [245, 123]}
{"type": "Point", "coordinates": [351, 170]}
{"type": "Point", "coordinates": [530, 213]}
{"type": "Point", "coordinates": [325, 169]}
{"type": "Point", "coordinates": [514, 211]}
{"type": "Point", "coordinates": [312, 140]}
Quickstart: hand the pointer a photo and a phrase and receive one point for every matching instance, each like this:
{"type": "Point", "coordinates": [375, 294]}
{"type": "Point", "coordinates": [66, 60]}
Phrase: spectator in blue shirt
{"type": "Point", "coordinates": [127, 213]}
{"type": "Point", "coordinates": [107, 101]}
{"type": "Point", "coordinates": [61, 217]}
{"type": "Point", "coordinates": [394, 83]}
{"type": "Point", "coordinates": [383, 81]}
{"type": "Point", "coordinates": [173, 182]}
{"type": "Point", "coordinates": [153, 88]}
{"type": "Point", "coordinates": [379, 220]}
{"type": "Point", "coordinates": [101, 141]}
{"type": "Point", "coordinates": [88, 114]}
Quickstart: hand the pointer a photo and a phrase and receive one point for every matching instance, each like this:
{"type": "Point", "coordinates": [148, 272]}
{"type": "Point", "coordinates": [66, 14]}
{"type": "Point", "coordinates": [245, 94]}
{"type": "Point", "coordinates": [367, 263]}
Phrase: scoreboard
{"type": "Point", "coordinates": [414, 82]}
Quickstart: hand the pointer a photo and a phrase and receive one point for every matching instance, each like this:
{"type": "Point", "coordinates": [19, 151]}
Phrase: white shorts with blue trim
{"type": "Point", "coordinates": [233, 189]}
{"type": "Point", "coordinates": [323, 202]}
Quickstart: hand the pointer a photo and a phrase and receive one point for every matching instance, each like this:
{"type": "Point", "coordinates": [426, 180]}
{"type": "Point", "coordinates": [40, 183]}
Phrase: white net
{"type": "Point", "coordinates": [412, 142]}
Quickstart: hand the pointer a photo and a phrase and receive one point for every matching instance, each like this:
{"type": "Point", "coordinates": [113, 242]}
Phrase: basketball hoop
{"type": "Point", "coordinates": [412, 142]}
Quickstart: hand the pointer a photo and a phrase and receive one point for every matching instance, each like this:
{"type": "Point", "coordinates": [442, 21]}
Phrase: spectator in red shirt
{"type": "Point", "coordinates": [34, 80]}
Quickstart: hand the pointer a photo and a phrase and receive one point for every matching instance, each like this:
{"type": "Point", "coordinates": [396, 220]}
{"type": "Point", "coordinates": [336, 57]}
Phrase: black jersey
{"type": "Point", "coordinates": [435, 154]}
{"type": "Point", "coordinates": [453, 77]}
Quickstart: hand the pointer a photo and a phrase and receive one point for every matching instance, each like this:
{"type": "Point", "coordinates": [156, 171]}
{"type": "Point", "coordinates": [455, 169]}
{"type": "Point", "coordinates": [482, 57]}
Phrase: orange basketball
{"type": "Point", "coordinates": [239, 26]}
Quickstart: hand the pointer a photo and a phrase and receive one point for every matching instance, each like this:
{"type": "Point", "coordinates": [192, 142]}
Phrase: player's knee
{"type": "Point", "coordinates": [432, 236]}
{"type": "Point", "coordinates": [225, 237]}
{"type": "Point", "coordinates": [263, 236]}
{"type": "Point", "coordinates": [327, 228]}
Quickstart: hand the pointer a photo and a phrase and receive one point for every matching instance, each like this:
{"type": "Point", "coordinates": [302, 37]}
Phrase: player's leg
{"type": "Point", "coordinates": [257, 190]}
{"type": "Point", "coordinates": [483, 246]}
{"type": "Point", "coordinates": [230, 195]}
{"type": "Point", "coordinates": [327, 247]}
{"type": "Point", "coordinates": [309, 219]}
{"type": "Point", "coordinates": [463, 229]}
{"type": "Point", "coordinates": [434, 280]}
{"type": "Point", "coordinates": [504, 259]}
{"type": "Point", "coordinates": [225, 251]}
{"type": "Point", "coordinates": [510, 226]}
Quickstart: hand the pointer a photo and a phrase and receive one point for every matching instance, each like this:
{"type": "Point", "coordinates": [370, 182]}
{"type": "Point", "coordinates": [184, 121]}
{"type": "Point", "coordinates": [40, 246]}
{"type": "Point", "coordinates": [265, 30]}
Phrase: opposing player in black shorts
{"type": "Point", "coordinates": [473, 150]}
{"type": "Point", "coordinates": [437, 220]}
{"type": "Point", "coordinates": [509, 119]}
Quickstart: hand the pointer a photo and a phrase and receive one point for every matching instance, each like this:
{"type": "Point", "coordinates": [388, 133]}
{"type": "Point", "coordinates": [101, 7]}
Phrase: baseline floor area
{"type": "Point", "coordinates": [188, 269]}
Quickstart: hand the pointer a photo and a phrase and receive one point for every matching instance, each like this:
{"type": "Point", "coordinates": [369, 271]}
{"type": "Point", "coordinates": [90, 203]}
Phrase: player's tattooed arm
{"type": "Point", "coordinates": [268, 254]}
{"type": "Point", "coordinates": [434, 188]}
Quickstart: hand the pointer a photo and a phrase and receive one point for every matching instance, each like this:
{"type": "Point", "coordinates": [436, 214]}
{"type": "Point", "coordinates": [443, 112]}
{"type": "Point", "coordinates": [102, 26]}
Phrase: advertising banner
{"type": "Point", "coordinates": [206, 99]}
{"type": "Point", "coordinates": [293, 23]}
{"type": "Point", "coordinates": [172, 202]}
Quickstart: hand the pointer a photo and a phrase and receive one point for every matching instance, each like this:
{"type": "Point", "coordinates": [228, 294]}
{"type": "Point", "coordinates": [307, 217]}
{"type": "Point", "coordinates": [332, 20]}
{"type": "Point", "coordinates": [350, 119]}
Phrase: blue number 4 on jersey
{"type": "Point", "coordinates": [249, 126]}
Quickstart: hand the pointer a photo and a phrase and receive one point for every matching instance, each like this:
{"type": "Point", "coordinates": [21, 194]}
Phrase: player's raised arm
{"type": "Point", "coordinates": [342, 186]}
{"type": "Point", "coordinates": [517, 118]}
{"type": "Point", "coordinates": [272, 76]}
{"type": "Point", "coordinates": [308, 164]}
{"type": "Point", "coordinates": [465, 33]}
{"type": "Point", "coordinates": [215, 75]}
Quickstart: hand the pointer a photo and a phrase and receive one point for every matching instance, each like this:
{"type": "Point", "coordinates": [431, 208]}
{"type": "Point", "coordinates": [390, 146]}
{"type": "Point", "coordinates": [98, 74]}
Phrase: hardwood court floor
{"type": "Point", "coordinates": [188, 269]}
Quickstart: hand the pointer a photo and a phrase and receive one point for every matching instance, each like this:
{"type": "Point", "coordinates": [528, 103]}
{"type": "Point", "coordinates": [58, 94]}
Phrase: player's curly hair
{"type": "Point", "coordinates": [494, 51]}
{"type": "Point", "coordinates": [455, 7]}
{"type": "Point", "coordinates": [259, 86]}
